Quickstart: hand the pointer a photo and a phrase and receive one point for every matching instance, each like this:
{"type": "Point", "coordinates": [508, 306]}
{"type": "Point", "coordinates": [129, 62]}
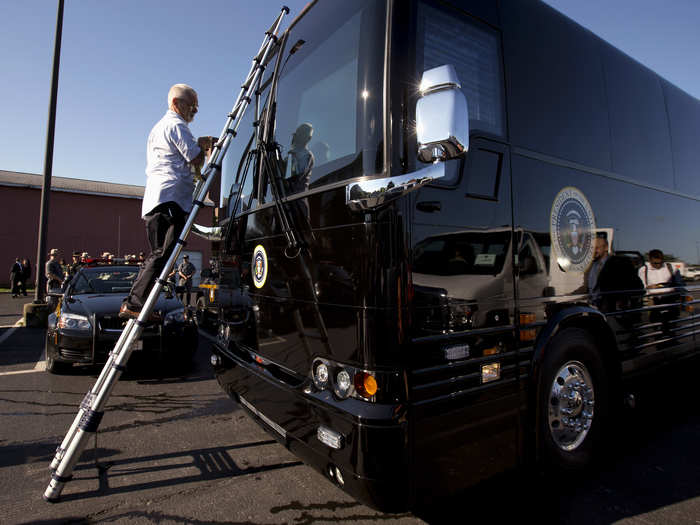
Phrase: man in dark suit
{"type": "Point", "coordinates": [15, 276]}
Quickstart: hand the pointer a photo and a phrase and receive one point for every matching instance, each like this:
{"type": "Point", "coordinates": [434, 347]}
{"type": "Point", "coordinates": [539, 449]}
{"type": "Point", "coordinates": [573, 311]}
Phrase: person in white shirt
{"type": "Point", "coordinates": [171, 151]}
{"type": "Point", "coordinates": [655, 274]}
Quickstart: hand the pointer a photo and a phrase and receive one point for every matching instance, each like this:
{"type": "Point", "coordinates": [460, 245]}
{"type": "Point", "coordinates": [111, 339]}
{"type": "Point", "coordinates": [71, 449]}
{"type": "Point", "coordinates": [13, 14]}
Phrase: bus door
{"type": "Point", "coordinates": [463, 378]}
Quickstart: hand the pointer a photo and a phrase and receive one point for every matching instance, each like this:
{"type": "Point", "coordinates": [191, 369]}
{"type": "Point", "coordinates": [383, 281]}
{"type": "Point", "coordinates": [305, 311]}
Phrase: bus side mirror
{"type": "Point", "coordinates": [442, 116]}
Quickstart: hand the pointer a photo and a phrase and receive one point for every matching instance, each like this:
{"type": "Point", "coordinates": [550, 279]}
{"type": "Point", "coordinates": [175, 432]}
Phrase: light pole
{"type": "Point", "coordinates": [48, 162]}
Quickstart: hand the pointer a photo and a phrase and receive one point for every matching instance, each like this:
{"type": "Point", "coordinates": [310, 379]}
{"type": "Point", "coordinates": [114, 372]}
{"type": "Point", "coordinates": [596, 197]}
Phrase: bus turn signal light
{"type": "Point", "coordinates": [527, 334]}
{"type": "Point", "coordinates": [365, 384]}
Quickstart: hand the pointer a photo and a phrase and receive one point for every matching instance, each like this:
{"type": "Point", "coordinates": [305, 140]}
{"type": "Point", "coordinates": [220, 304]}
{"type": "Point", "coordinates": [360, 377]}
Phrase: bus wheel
{"type": "Point", "coordinates": [574, 401]}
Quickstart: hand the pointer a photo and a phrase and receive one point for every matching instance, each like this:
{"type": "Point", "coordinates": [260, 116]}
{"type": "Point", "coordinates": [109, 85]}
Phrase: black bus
{"type": "Point", "coordinates": [444, 249]}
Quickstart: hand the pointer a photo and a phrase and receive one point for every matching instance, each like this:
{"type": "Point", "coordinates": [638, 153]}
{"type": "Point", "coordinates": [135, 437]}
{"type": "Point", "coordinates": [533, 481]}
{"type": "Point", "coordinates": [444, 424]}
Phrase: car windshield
{"type": "Point", "coordinates": [104, 280]}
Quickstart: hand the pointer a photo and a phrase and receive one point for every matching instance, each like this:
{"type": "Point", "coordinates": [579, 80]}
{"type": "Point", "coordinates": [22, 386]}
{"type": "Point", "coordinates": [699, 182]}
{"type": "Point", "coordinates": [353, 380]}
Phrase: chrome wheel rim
{"type": "Point", "coordinates": [571, 405]}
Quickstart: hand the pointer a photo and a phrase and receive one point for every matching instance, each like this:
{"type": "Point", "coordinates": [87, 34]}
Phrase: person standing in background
{"type": "Point", "coordinates": [26, 275]}
{"type": "Point", "coordinates": [15, 276]}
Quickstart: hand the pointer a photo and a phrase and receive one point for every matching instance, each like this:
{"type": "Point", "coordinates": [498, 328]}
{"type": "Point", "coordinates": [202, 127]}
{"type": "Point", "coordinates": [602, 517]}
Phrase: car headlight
{"type": "Point", "coordinates": [176, 316]}
{"type": "Point", "coordinates": [74, 322]}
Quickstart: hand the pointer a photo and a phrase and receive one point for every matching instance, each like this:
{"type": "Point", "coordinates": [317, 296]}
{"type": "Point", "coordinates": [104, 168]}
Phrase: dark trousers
{"type": "Point", "coordinates": [184, 292]}
{"type": "Point", "coordinates": [163, 226]}
{"type": "Point", "coordinates": [15, 280]}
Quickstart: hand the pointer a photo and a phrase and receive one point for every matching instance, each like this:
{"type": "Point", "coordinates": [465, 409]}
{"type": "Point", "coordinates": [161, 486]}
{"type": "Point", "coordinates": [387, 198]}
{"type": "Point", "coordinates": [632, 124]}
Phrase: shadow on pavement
{"type": "Point", "coordinates": [200, 465]}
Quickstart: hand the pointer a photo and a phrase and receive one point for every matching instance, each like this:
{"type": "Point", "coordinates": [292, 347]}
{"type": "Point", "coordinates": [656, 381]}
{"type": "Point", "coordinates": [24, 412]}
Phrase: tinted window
{"type": "Point", "coordinates": [684, 121]}
{"type": "Point", "coordinates": [556, 90]}
{"type": "Point", "coordinates": [474, 50]}
{"type": "Point", "coordinates": [234, 157]}
{"type": "Point", "coordinates": [639, 135]}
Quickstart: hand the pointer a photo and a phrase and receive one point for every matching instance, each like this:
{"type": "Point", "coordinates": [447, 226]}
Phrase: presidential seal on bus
{"type": "Point", "coordinates": [259, 266]}
{"type": "Point", "coordinates": [572, 229]}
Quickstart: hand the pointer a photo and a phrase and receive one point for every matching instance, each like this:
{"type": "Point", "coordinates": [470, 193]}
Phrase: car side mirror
{"type": "Point", "coordinates": [442, 116]}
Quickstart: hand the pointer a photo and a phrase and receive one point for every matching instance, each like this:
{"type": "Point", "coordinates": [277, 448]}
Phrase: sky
{"type": "Point", "coordinates": [120, 57]}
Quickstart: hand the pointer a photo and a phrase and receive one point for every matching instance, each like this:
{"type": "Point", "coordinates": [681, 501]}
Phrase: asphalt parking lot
{"type": "Point", "coordinates": [172, 448]}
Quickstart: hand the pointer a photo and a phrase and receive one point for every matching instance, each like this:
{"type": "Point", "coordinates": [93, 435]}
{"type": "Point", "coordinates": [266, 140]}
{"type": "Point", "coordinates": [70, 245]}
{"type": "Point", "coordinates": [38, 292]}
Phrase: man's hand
{"type": "Point", "coordinates": [206, 144]}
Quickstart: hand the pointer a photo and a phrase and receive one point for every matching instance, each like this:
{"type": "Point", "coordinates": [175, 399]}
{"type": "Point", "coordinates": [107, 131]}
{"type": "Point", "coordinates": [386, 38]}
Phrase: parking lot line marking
{"type": "Point", "coordinates": [40, 366]}
{"type": "Point", "coordinates": [30, 371]}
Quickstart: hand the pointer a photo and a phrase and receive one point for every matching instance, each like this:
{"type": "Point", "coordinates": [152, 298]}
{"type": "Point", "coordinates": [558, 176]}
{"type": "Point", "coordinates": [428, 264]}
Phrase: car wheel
{"type": "Point", "coordinates": [573, 402]}
{"type": "Point", "coordinates": [56, 367]}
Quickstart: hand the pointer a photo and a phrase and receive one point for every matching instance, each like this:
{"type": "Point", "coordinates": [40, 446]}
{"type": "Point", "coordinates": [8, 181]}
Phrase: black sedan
{"type": "Point", "coordinates": [85, 326]}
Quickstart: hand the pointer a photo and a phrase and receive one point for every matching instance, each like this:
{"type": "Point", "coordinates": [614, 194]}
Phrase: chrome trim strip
{"type": "Point", "coordinates": [282, 432]}
{"type": "Point", "coordinates": [211, 233]}
{"type": "Point", "coordinates": [459, 335]}
{"type": "Point", "coordinates": [465, 363]}
{"type": "Point", "coordinates": [460, 393]}
{"type": "Point", "coordinates": [370, 193]}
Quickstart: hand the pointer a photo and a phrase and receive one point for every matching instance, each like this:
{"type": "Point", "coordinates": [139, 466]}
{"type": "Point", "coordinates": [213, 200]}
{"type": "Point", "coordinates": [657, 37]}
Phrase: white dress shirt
{"type": "Point", "coordinates": [170, 149]}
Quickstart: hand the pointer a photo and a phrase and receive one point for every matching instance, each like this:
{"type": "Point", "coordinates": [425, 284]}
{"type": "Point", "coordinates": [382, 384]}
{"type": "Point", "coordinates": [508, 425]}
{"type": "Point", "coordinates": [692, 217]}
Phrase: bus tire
{"type": "Point", "coordinates": [574, 401]}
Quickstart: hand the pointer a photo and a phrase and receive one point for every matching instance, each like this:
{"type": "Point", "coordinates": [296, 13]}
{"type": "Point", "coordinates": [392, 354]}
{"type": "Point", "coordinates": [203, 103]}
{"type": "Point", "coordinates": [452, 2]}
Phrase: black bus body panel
{"type": "Point", "coordinates": [455, 288]}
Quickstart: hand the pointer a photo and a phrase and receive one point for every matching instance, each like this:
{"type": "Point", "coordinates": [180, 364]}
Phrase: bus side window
{"type": "Point", "coordinates": [446, 36]}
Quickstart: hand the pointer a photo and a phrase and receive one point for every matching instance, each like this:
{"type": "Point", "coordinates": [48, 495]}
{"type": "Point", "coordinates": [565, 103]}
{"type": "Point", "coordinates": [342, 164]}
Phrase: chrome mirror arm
{"type": "Point", "coordinates": [371, 193]}
{"type": "Point", "coordinates": [211, 233]}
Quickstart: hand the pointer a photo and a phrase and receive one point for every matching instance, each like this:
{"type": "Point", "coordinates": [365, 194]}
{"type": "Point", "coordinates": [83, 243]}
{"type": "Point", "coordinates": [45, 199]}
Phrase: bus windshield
{"type": "Point", "coordinates": [329, 123]}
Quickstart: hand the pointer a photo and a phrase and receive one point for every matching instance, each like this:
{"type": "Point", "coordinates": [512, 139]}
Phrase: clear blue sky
{"type": "Point", "coordinates": [120, 57]}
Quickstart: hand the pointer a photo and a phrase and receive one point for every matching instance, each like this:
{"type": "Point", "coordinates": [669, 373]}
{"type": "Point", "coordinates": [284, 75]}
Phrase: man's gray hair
{"type": "Point", "coordinates": [181, 91]}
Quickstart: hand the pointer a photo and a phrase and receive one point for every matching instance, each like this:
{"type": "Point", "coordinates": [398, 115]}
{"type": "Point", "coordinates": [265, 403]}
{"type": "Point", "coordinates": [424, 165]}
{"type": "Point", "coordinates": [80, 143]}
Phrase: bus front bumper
{"type": "Point", "coordinates": [371, 462]}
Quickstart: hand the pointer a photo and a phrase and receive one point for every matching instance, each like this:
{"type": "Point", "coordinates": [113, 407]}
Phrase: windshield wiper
{"type": "Point", "coordinates": [270, 158]}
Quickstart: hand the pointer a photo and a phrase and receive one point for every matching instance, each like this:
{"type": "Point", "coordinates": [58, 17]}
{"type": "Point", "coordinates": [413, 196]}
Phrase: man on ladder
{"type": "Point", "coordinates": [171, 150]}
{"type": "Point", "coordinates": [168, 193]}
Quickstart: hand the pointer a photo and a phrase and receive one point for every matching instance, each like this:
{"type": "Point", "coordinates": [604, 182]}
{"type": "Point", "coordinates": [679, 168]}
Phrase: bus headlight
{"type": "Point", "coordinates": [347, 381]}
{"type": "Point", "coordinates": [321, 376]}
{"type": "Point", "coordinates": [343, 384]}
